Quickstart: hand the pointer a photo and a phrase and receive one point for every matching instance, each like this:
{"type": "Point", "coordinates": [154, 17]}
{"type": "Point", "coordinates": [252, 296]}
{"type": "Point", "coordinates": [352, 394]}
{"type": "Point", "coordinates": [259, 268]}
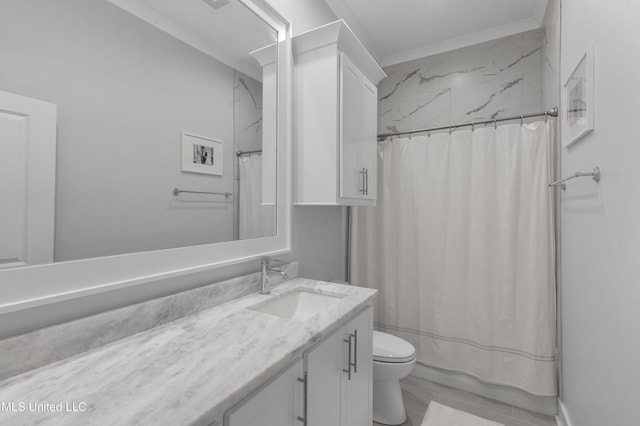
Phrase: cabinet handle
{"type": "Point", "coordinates": [366, 181]}
{"type": "Point", "coordinates": [363, 187]}
{"type": "Point", "coordinates": [305, 382]}
{"type": "Point", "coordinates": [348, 370]}
{"type": "Point", "coordinates": [355, 351]}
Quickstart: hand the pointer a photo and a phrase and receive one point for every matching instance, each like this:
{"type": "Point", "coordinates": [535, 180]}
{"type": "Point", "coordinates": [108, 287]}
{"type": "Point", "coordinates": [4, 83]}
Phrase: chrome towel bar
{"type": "Point", "coordinates": [178, 191]}
{"type": "Point", "coordinates": [562, 183]}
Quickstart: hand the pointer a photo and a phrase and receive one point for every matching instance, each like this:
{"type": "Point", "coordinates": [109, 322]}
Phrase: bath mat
{"type": "Point", "coordinates": [441, 415]}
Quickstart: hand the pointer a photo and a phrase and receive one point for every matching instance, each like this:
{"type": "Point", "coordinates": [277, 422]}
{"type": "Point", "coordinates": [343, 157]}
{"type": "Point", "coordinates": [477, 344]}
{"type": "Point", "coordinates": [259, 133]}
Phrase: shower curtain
{"type": "Point", "coordinates": [255, 218]}
{"type": "Point", "coordinates": [461, 250]}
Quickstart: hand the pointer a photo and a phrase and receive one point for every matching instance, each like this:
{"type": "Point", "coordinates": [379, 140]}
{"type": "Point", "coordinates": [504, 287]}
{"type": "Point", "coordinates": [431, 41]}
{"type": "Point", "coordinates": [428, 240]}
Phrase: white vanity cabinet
{"type": "Point", "coordinates": [331, 385]}
{"type": "Point", "coordinates": [335, 118]}
{"type": "Point", "coordinates": [357, 408]}
{"type": "Point", "coordinates": [340, 375]}
{"type": "Point", "coordinates": [279, 403]}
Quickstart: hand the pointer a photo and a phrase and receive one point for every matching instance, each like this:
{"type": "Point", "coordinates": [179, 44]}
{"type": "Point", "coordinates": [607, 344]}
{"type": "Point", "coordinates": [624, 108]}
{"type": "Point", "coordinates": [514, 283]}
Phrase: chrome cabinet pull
{"type": "Point", "coordinates": [366, 181]}
{"type": "Point", "coordinates": [353, 364]}
{"type": "Point", "coordinates": [305, 382]}
{"type": "Point", "coordinates": [348, 370]}
{"type": "Point", "coordinates": [355, 351]}
{"type": "Point", "coordinates": [363, 188]}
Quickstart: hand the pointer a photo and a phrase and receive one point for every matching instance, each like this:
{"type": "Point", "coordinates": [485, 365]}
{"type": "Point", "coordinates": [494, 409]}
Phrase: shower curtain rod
{"type": "Point", "coordinates": [241, 153]}
{"type": "Point", "coordinates": [553, 112]}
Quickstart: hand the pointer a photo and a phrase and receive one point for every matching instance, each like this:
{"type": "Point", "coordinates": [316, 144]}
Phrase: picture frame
{"type": "Point", "coordinates": [202, 154]}
{"type": "Point", "coordinates": [578, 99]}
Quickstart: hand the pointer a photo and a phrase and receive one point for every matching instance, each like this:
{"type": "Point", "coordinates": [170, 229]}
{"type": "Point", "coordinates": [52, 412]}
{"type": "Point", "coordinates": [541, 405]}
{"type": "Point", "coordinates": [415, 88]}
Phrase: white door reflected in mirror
{"type": "Point", "coordinates": [27, 180]}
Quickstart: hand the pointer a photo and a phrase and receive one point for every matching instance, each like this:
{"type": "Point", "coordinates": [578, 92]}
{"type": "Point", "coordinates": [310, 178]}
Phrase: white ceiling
{"type": "Point", "coordinates": [397, 31]}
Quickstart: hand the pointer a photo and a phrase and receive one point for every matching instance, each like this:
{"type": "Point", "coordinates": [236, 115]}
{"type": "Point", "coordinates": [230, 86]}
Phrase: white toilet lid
{"type": "Point", "coordinates": [389, 348]}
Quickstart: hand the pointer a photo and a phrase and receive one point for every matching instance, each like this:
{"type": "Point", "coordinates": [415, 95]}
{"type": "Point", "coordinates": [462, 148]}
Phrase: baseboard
{"type": "Point", "coordinates": [547, 405]}
{"type": "Point", "coordinates": [563, 418]}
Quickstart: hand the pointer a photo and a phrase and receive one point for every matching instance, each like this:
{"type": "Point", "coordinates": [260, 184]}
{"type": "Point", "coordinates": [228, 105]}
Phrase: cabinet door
{"type": "Point", "coordinates": [358, 391]}
{"type": "Point", "coordinates": [279, 403]}
{"type": "Point", "coordinates": [351, 171]}
{"type": "Point", "coordinates": [324, 365]}
{"type": "Point", "coordinates": [369, 143]}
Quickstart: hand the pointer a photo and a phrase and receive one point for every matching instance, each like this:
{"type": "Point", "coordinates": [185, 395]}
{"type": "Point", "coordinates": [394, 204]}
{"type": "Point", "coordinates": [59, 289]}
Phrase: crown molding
{"type": "Point", "coordinates": [343, 12]}
{"type": "Point", "coordinates": [512, 28]}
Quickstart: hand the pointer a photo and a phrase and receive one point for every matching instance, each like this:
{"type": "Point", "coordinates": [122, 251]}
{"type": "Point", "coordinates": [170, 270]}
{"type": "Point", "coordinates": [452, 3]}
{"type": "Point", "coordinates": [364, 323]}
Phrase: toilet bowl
{"type": "Point", "coordinates": [393, 359]}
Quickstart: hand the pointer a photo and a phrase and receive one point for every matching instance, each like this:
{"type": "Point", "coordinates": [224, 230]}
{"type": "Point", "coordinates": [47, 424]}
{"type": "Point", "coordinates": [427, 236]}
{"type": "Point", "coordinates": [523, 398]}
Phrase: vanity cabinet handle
{"type": "Point", "coordinates": [348, 370]}
{"type": "Point", "coordinates": [354, 364]}
{"type": "Point", "coordinates": [355, 351]}
{"type": "Point", "coordinates": [305, 382]}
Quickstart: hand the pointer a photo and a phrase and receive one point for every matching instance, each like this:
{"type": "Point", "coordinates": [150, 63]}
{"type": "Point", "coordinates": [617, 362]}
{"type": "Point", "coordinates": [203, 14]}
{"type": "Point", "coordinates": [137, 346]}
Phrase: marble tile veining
{"type": "Point", "coordinates": [41, 347]}
{"type": "Point", "coordinates": [489, 80]}
{"type": "Point", "coordinates": [189, 371]}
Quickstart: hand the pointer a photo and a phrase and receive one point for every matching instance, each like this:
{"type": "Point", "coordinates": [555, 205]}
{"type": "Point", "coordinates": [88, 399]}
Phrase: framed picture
{"type": "Point", "coordinates": [201, 155]}
{"type": "Point", "coordinates": [578, 99]}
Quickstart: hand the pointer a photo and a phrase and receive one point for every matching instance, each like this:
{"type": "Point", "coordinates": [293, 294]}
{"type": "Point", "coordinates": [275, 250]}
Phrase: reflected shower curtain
{"type": "Point", "coordinates": [461, 249]}
{"type": "Point", "coordinates": [255, 219]}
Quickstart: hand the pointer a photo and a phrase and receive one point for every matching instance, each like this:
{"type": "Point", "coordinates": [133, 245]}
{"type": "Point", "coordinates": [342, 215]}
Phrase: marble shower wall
{"type": "Point", "coordinates": [498, 78]}
{"type": "Point", "coordinates": [247, 114]}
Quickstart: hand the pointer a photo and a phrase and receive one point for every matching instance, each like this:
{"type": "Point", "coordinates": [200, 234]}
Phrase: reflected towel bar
{"type": "Point", "coordinates": [595, 175]}
{"type": "Point", "coordinates": [242, 153]}
{"type": "Point", "coordinates": [177, 191]}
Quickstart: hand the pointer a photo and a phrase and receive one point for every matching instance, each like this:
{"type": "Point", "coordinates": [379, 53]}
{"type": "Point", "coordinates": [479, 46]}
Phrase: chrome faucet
{"type": "Point", "coordinates": [264, 274]}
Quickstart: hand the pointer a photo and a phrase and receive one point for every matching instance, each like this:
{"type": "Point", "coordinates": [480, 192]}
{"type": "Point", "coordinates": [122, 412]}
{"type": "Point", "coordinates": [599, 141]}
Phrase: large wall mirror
{"type": "Point", "coordinates": [138, 133]}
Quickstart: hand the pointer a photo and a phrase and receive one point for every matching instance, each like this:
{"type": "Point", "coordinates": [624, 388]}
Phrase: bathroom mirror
{"type": "Point", "coordinates": [168, 151]}
{"type": "Point", "coordinates": [154, 100]}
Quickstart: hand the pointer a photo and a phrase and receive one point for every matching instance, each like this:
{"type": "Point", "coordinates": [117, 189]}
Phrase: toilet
{"type": "Point", "coordinates": [393, 359]}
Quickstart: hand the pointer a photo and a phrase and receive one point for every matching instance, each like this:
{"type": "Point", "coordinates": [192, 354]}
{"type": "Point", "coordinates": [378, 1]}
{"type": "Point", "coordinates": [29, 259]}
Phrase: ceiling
{"type": "Point", "coordinates": [397, 31]}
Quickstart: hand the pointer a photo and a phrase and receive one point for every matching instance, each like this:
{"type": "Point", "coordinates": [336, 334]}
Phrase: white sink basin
{"type": "Point", "coordinates": [299, 304]}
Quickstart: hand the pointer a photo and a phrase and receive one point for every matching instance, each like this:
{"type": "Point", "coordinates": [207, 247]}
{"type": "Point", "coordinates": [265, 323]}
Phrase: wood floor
{"type": "Point", "coordinates": [418, 393]}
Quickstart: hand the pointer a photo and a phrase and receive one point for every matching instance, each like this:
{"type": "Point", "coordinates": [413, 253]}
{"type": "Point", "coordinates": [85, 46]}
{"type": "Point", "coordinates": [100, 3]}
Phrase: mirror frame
{"type": "Point", "coordinates": [32, 286]}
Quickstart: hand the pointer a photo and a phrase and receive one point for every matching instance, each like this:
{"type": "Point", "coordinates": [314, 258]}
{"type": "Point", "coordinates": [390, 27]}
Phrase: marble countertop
{"type": "Point", "coordinates": [189, 371]}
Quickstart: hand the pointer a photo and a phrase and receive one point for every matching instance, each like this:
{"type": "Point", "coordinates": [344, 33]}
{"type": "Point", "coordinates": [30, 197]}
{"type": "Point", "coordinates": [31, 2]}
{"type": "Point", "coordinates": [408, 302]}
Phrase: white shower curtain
{"type": "Point", "coordinates": [255, 218]}
{"type": "Point", "coordinates": [461, 250]}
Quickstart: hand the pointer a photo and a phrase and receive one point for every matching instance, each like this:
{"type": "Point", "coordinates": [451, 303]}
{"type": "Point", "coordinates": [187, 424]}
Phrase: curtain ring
{"type": "Point", "coordinates": [521, 120]}
{"type": "Point", "coordinates": [546, 116]}
{"type": "Point", "coordinates": [410, 135]}
{"type": "Point", "coordinates": [450, 130]}
{"type": "Point", "coordinates": [473, 127]}
{"type": "Point", "coordinates": [429, 133]}
{"type": "Point", "coordinates": [495, 124]}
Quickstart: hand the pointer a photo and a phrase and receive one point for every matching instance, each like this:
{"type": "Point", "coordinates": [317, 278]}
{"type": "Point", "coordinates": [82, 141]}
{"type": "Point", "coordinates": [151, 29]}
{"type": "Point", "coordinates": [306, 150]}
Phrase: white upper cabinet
{"type": "Point", "coordinates": [335, 118]}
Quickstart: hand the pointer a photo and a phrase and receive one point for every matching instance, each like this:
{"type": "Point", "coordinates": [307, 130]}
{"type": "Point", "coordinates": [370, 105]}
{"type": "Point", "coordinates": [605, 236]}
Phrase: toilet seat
{"type": "Point", "coordinates": [391, 349]}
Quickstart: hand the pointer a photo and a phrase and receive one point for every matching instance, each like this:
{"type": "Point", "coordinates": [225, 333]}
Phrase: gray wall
{"type": "Point", "coordinates": [318, 235]}
{"type": "Point", "coordinates": [600, 222]}
{"type": "Point", "coordinates": [125, 92]}
{"type": "Point", "coordinates": [489, 80]}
